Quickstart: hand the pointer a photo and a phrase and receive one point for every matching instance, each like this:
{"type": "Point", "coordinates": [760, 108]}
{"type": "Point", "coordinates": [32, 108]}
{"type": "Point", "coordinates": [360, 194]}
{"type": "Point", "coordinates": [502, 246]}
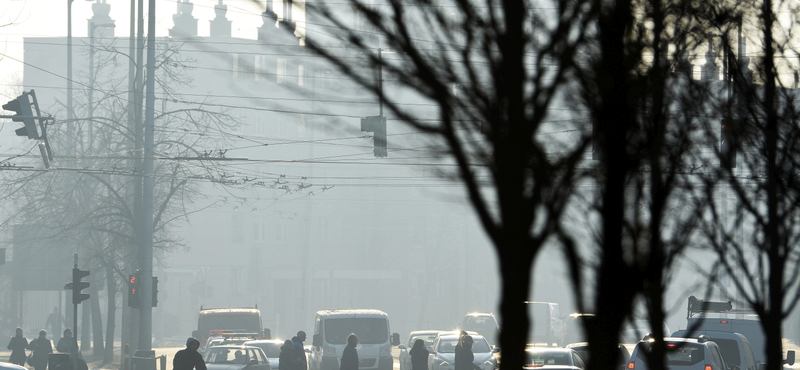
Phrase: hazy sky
{"type": "Point", "coordinates": [48, 18]}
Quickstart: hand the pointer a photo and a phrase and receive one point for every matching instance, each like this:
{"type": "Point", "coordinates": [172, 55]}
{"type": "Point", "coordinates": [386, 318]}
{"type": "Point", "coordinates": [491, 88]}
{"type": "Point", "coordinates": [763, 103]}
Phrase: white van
{"type": "Point", "coordinates": [546, 323]}
{"type": "Point", "coordinates": [331, 329]}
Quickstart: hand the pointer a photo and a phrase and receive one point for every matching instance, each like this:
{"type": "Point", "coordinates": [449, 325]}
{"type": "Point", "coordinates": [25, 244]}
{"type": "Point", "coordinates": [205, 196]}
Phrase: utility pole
{"type": "Point", "coordinates": [146, 253]}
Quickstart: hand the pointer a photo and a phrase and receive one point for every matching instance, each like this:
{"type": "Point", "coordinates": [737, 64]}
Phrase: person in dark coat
{"type": "Point", "coordinates": [464, 356]}
{"type": "Point", "coordinates": [419, 355]}
{"type": "Point", "coordinates": [188, 358]}
{"type": "Point", "coordinates": [300, 362]}
{"type": "Point", "coordinates": [67, 342]}
{"type": "Point", "coordinates": [350, 355]}
{"type": "Point", "coordinates": [41, 347]}
{"type": "Point", "coordinates": [17, 346]}
{"type": "Point", "coordinates": [286, 357]}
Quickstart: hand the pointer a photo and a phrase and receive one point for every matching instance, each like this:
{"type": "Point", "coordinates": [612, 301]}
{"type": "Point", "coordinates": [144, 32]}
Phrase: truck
{"type": "Point", "coordinates": [371, 326]}
{"type": "Point", "coordinates": [710, 317]}
{"type": "Point", "coordinates": [243, 322]}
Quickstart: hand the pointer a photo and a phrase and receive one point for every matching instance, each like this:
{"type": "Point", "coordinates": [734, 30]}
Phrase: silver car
{"type": "Point", "coordinates": [428, 336]}
{"type": "Point", "coordinates": [235, 358]}
{"type": "Point", "coordinates": [682, 354]}
{"type": "Point", "coordinates": [444, 354]}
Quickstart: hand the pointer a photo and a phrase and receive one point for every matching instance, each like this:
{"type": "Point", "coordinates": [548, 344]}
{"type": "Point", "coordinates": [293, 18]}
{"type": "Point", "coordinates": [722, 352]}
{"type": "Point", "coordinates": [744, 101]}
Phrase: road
{"type": "Point", "coordinates": [171, 349]}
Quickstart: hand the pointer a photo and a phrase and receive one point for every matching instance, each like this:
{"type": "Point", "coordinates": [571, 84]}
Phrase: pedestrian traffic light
{"type": "Point", "coordinates": [78, 285]}
{"type": "Point", "coordinates": [155, 291]}
{"type": "Point", "coordinates": [376, 125]}
{"type": "Point", "coordinates": [134, 296]}
{"type": "Point", "coordinates": [21, 106]}
{"type": "Point", "coordinates": [727, 146]}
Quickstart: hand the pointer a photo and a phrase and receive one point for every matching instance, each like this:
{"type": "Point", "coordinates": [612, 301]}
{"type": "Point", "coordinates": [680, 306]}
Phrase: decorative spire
{"type": "Point", "coordinates": [710, 71]}
{"type": "Point", "coordinates": [101, 23]}
{"type": "Point", "coordinates": [185, 23]}
{"type": "Point", "coordinates": [220, 26]}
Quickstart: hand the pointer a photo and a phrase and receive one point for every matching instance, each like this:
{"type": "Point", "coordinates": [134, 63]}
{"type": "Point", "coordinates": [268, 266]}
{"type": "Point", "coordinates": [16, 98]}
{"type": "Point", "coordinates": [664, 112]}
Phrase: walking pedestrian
{"type": "Point", "coordinates": [299, 352]}
{"type": "Point", "coordinates": [349, 354]}
{"type": "Point", "coordinates": [464, 357]}
{"type": "Point", "coordinates": [67, 342]}
{"type": "Point", "coordinates": [41, 347]}
{"type": "Point", "coordinates": [188, 358]}
{"type": "Point", "coordinates": [54, 321]}
{"type": "Point", "coordinates": [286, 357]}
{"type": "Point", "coordinates": [17, 346]}
{"type": "Point", "coordinates": [419, 355]}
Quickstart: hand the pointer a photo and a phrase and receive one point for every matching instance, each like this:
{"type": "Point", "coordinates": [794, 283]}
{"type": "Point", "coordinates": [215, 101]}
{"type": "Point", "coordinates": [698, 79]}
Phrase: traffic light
{"type": "Point", "coordinates": [155, 291]}
{"type": "Point", "coordinates": [376, 125]}
{"type": "Point", "coordinates": [727, 145]}
{"type": "Point", "coordinates": [133, 290]}
{"type": "Point", "coordinates": [78, 285]}
{"type": "Point", "coordinates": [21, 106]}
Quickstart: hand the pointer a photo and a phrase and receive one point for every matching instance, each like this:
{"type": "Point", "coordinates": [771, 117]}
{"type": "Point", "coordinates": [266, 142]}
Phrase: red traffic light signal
{"type": "Point", "coordinates": [134, 295]}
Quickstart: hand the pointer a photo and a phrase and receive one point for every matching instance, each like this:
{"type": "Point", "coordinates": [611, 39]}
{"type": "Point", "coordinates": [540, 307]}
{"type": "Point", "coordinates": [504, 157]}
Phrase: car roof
{"type": "Point", "coordinates": [479, 314]}
{"type": "Point", "coordinates": [455, 336]}
{"type": "Point", "coordinates": [548, 349]}
{"type": "Point", "coordinates": [235, 346]}
{"type": "Point", "coordinates": [260, 341]}
{"type": "Point", "coordinates": [427, 331]}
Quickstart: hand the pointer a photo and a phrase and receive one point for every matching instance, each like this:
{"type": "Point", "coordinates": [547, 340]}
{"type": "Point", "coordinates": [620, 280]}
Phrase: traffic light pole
{"type": "Point", "coordinates": [73, 352]}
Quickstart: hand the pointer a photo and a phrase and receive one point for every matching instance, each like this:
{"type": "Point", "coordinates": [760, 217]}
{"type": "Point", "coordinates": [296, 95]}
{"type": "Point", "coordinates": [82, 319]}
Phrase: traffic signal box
{"type": "Point", "coordinates": [78, 285]}
{"type": "Point", "coordinates": [21, 106]}
{"type": "Point", "coordinates": [376, 125]}
{"type": "Point", "coordinates": [134, 292]}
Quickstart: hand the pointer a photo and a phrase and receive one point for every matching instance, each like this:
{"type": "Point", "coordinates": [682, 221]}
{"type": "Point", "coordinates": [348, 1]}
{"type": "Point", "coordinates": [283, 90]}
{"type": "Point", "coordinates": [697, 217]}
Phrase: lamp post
{"type": "Point", "coordinates": [92, 27]}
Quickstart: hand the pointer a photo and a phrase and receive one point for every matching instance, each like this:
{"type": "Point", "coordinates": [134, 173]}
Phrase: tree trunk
{"type": "Point", "coordinates": [97, 323]}
{"type": "Point", "coordinates": [515, 271]}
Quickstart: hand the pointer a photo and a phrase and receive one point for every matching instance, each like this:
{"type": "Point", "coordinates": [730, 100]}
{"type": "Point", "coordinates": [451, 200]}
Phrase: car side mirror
{"type": "Point", "coordinates": [395, 339]}
{"type": "Point", "coordinates": [496, 349]}
{"type": "Point", "coordinates": [316, 340]}
{"type": "Point", "coordinates": [789, 358]}
{"type": "Point", "coordinates": [402, 346]}
{"type": "Point", "coordinates": [762, 366]}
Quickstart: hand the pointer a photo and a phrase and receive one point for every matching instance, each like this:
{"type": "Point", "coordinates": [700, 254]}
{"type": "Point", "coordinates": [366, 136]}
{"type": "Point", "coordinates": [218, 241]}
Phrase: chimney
{"type": "Point", "coordinates": [185, 24]}
{"type": "Point", "coordinates": [220, 26]}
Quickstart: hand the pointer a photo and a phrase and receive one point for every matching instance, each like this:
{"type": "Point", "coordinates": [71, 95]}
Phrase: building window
{"type": "Point", "coordinates": [235, 65]}
{"type": "Point", "coordinates": [281, 72]}
{"type": "Point", "coordinates": [300, 75]}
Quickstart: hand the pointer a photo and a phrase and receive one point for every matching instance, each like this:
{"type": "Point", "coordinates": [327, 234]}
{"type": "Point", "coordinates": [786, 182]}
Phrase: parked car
{"type": "Point", "coordinates": [735, 348]}
{"type": "Point", "coordinates": [271, 348]}
{"type": "Point", "coordinates": [682, 354]}
{"type": "Point", "coordinates": [235, 358]}
{"type": "Point", "coordinates": [428, 336]}
{"type": "Point", "coordinates": [549, 358]}
{"type": "Point", "coordinates": [583, 350]}
{"type": "Point", "coordinates": [483, 323]}
{"type": "Point", "coordinates": [444, 348]}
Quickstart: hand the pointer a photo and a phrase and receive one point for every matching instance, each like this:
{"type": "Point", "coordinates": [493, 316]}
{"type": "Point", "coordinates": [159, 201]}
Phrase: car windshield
{"type": "Point", "coordinates": [680, 354]}
{"type": "Point", "coordinates": [449, 345]}
{"type": "Point", "coordinates": [480, 324]}
{"type": "Point", "coordinates": [427, 338]}
{"type": "Point", "coordinates": [549, 358]}
{"type": "Point", "coordinates": [223, 355]}
{"type": "Point", "coordinates": [369, 330]}
{"type": "Point", "coordinates": [245, 322]}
